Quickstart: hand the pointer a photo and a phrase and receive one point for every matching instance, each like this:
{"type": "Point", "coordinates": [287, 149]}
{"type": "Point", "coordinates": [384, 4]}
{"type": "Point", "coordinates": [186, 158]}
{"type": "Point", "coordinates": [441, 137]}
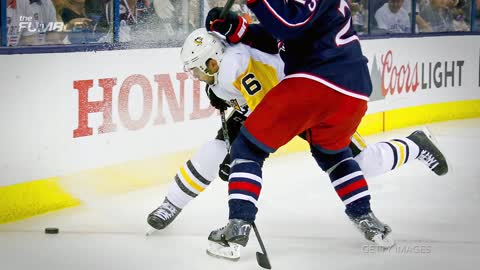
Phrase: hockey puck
{"type": "Point", "coordinates": [51, 230]}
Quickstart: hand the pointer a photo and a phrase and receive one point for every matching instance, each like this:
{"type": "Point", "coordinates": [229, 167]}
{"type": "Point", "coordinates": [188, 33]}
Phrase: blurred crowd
{"type": "Point", "coordinates": [163, 23]}
{"type": "Point", "coordinates": [394, 16]}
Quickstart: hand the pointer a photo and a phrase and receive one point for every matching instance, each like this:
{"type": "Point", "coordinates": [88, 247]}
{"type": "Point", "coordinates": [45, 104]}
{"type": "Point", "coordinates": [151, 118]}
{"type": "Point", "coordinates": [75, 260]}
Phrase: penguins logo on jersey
{"type": "Point", "coordinates": [198, 41]}
{"type": "Point", "coordinates": [234, 104]}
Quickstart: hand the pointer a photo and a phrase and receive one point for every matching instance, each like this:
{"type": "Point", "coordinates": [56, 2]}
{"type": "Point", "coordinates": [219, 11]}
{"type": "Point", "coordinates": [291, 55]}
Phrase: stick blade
{"type": "Point", "coordinates": [263, 261]}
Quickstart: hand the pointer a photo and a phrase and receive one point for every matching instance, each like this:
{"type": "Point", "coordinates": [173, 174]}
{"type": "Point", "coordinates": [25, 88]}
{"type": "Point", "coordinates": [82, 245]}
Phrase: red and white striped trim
{"type": "Point", "coordinates": [346, 178]}
{"type": "Point", "coordinates": [356, 197]}
{"type": "Point", "coordinates": [246, 175]}
{"type": "Point", "coordinates": [237, 196]}
{"type": "Point", "coordinates": [327, 83]}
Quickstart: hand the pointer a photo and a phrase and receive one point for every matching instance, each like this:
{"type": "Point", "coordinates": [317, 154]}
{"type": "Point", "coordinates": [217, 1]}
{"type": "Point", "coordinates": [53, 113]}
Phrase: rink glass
{"type": "Point", "coordinates": [166, 23]}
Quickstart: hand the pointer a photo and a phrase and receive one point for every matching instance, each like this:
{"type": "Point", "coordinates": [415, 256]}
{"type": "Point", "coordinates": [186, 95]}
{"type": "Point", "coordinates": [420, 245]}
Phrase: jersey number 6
{"type": "Point", "coordinates": [251, 85]}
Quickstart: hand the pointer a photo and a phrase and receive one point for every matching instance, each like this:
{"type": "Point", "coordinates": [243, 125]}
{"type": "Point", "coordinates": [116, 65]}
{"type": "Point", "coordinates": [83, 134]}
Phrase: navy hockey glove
{"type": "Point", "coordinates": [232, 27]}
{"type": "Point", "coordinates": [224, 168]}
{"type": "Point", "coordinates": [215, 101]}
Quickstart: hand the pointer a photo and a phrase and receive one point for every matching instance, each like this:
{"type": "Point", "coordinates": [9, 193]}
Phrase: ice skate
{"type": "Point", "coordinates": [163, 215]}
{"type": "Point", "coordinates": [226, 242]}
{"type": "Point", "coordinates": [373, 229]}
{"type": "Point", "coordinates": [430, 154]}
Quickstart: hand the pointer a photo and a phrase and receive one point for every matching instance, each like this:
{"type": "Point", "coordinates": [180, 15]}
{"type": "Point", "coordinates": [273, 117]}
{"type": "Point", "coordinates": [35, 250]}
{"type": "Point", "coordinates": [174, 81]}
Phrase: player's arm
{"type": "Point", "coordinates": [215, 101]}
{"type": "Point", "coordinates": [257, 37]}
{"type": "Point", "coordinates": [285, 19]}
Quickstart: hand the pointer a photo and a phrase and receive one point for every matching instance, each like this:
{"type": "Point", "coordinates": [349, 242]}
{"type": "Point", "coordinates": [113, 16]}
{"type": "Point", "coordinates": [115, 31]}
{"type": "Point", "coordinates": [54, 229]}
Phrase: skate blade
{"type": "Point", "coordinates": [150, 232]}
{"type": "Point", "coordinates": [383, 241]}
{"type": "Point", "coordinates": [231, 252]}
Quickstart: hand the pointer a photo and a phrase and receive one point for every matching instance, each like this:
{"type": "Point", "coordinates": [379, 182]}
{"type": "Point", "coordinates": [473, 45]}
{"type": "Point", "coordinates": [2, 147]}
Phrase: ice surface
{"type": "Point", "coordinates": [435, 220]}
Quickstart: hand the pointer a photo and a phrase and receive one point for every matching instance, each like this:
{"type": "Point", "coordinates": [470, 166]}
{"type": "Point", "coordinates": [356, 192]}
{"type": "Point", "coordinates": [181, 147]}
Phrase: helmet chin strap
{"type": "Point", "coordinates": [215, 77]}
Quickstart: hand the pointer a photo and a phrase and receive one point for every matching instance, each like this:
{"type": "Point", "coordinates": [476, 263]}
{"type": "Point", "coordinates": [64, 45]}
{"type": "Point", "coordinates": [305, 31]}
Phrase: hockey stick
{"type": "Point", "coordinates": [262, 258]}
{"type": "Point", "coordinates": [226, 8]}
{"type": "Point", "coordinates": [225, 131]}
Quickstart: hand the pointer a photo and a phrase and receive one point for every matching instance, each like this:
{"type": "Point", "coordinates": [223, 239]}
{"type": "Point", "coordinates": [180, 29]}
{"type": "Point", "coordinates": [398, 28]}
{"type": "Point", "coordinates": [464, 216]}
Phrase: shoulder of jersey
{"type": "Point", "coordinates": [233, 52]}
{"type": "Point", "coordinates": [231, 62]}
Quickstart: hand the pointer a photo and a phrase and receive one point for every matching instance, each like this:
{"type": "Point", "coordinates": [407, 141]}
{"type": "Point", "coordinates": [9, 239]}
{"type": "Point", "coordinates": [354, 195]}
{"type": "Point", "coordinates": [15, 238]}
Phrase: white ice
{"type": "Point", "coordinates": [435, 221]}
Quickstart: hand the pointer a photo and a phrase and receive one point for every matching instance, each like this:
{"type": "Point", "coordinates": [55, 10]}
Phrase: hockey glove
{"type": "Point", "coordinates": [224, 168]}
{"type": "Point", "coordinates": [232, 27]}
{"type": "Point", "coordinates": [215, 101]}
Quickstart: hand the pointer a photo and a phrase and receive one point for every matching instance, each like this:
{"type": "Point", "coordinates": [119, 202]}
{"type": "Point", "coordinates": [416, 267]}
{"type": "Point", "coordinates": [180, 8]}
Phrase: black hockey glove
{"type": "Point", "coordinates": [215, 101]}
{"type": "Point", "coordinates": [233, 27]}
{"type": "Point", "coordinates": [224, 168]}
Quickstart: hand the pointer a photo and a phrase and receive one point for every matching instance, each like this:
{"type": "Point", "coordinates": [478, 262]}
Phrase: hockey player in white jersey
{"type": "Point", "coordinates": [239, 76]}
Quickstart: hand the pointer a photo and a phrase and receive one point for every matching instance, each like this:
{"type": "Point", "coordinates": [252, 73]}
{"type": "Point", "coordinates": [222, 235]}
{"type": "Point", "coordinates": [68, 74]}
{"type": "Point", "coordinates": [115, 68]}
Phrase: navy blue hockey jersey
{"type": "Point", "coordinates": [318, 42]}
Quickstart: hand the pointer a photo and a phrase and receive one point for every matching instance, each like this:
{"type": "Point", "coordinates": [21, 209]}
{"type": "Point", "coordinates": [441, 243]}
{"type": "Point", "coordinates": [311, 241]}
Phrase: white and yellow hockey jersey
{"type": "Point", "coordinates": [246, 75]}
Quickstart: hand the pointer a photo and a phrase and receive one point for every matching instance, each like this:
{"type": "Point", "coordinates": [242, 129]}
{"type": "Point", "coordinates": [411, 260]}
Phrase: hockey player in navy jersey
{"type": "Point", "coordinates": [325, 93]}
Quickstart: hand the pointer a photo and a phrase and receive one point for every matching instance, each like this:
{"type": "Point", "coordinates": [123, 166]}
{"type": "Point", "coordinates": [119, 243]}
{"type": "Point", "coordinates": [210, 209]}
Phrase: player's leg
{"type": "Point", "coordinates": [245, 184]}
{"type": "Point", "coordinates": [195, 175]}
{"type": "Point", "coordinates": [270, 126]}
{"type": "Point", "coordinates": [192, 178]}
{"type": "Point", "coordinates": [381, 157]}
{"type": "Point", "coordinates": [329, 145]}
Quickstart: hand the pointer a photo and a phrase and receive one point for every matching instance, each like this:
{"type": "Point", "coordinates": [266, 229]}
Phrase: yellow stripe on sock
{"type": "Point", "coordinates": [401, 149]}
{"type": "Point", "coordinates": [190, 181]}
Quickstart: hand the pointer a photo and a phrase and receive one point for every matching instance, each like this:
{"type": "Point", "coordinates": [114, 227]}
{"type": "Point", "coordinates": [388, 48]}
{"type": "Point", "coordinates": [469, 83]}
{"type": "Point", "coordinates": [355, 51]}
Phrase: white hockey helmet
{"type": "Point", "coordinates": [198, 48]}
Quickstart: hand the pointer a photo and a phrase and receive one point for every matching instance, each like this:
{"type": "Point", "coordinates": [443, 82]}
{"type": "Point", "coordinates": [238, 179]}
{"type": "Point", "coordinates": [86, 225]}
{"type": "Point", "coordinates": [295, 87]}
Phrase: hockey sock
{"type": "Point", "coordinates": [245, 181]}
{"type": "Point", "coordinates": [346, 178]}
{"type": "Point", "coordinates": [244, 186]}
{"type": "Point", "coordinates": [351, 187]}
{"type": "Point", "coordinates": [197, 173]}
{"type": "Point", "coordinates": [379, 158]}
